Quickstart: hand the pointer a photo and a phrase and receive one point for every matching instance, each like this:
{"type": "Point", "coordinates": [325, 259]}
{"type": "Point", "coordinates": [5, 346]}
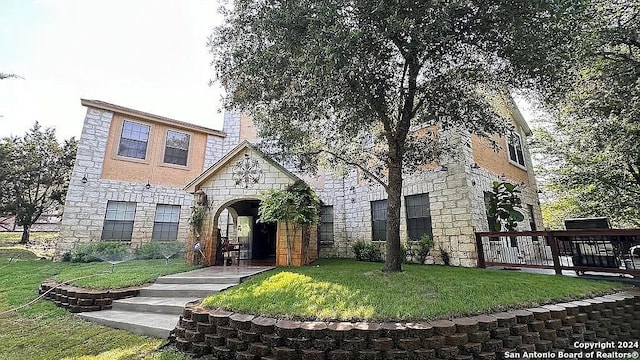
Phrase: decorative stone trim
{"type": "Point", "coordinates": [549, 328]}
{"type": "Point", "coordinates": [77, 299]}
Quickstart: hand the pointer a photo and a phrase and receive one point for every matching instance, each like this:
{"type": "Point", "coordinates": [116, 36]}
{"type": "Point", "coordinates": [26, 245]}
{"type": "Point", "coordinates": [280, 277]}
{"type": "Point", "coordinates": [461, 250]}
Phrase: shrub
{"type": "Point", "coordinates": [358, 249]}
{"type": "Point", "coordinates": [66, 257]}
{"type": "Point", "coordinates": [444, 254]}
{"type": "Point", "coordinates": [423, 247]}
{"type": "Point", "coordinates": [405, 254]}
{"type": "Point", "coordinates": [159, 250]}
{"type": "Point", "coordinates": [99, 251]}
{"type": "Point", "coordinates": [367, 251]}
{"type": "Point", "coordinates": [372, 252]}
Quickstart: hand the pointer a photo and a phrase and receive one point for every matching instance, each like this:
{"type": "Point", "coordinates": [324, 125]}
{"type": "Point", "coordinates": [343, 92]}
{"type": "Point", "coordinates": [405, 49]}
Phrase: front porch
{"type": "Point", "coordinates": [228, 197]}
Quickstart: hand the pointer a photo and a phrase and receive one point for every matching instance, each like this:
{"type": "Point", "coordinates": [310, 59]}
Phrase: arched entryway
{"type": "Point", "coordinates": [238, 222]}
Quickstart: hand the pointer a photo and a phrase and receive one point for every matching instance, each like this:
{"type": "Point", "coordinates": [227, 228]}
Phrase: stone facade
{"type": "Point", "coordinates": [557, 329]}
{"type": "Point", "coordinates": [89, 193]}
{"type": "Point", "coordinates": [455, 187]}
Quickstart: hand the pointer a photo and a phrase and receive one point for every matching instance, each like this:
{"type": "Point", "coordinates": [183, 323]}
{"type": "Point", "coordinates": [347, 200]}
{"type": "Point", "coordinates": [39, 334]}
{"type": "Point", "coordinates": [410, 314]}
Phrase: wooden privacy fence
{"type": "Point", "coordinates": [599, 250]}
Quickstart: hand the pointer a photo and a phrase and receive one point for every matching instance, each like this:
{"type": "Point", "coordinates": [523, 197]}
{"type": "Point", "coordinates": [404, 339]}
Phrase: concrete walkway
{"type": "Point", "coordinates": [157, 310]}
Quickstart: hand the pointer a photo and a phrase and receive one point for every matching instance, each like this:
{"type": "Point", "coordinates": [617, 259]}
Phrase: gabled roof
{"type": "Point", "coordinates": [195, 184]}
{"type": "Point", "coordinates": [151, 117]}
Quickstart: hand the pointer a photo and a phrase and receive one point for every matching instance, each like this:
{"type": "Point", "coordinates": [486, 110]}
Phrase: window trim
{"type": "Point", "coordinates": [164, 149]}
{"type": "Point", "coordinates": [407, 218]}
{"type": "Point", "coordinates": [132, 221]}
{"type": "Point", "coordinates": [372, 220]}
{"type": "Point", "coordinates": [177, 223]}
{"type": "Point", "coordinates": [116, 147]}
{"type": "Point", "coordinates": [332, 226]}
{"type": "Point", "coordinates": [516, 163]}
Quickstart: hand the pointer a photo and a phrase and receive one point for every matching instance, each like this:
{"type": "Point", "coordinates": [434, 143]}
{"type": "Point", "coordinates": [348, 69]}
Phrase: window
{"type": "Point", "coordinates": [165, 225]}
{"type": "Point", "coordinates": [133, 142]}
{"type": "Point", "coordinates": [325, 231]}
{"type": "Point", "coordinates": [379, 220]}
{"type": "Point", "coordinates": [516, 154]}
{"type": "Point", "coordinates": [118, 221]}
{"type": "Point", "coordinates": [177, 148]}
{"type": "Point", "coordinates": [418, 216]}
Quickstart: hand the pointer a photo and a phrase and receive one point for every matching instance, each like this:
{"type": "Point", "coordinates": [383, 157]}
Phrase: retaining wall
{"type": "Point", "coordinates": [77, 299]}
{"type": "Point", "coordinates": [543, 330]}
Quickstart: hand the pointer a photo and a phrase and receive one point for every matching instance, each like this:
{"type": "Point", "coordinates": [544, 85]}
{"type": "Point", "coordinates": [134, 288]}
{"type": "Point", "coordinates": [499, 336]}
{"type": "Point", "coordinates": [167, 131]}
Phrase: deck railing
{"type": "Point", "coordinates": [600, 250]}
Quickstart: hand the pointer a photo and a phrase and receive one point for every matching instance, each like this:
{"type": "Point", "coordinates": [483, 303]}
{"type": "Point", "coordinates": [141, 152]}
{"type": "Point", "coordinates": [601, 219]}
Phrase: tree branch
{"type": "Point", "coordinates": [359, 166]}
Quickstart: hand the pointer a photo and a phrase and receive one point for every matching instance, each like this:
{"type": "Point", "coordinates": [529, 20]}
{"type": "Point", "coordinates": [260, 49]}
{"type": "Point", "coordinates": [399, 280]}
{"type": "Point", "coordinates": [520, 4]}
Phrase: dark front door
{"type": "Point", "coordinates": [264, 240]}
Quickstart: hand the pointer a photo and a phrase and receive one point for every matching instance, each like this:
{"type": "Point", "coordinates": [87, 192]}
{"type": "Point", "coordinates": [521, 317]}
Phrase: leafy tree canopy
{"type": "Point", "coordinates": [34, 174]}
{"type": "Point", "coordinates": [591, 146]}
{"type": "Point", "coordinates": [347, 81]}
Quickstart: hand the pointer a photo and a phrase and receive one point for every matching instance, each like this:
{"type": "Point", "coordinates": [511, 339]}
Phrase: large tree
{"type": "Point", "coordinates": [591, 146]}
{"type": "Point", "coordinates": [347, 81]}
{"type": "Point", "coordinates": [34, 174]}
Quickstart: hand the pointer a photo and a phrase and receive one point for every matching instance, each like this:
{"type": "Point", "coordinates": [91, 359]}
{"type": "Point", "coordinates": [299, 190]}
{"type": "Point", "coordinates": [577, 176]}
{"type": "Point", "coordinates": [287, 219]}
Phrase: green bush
{"type": "Point", "coordinates": [99, 251]}
{"type": "Point", "coordinates": [358, 249]}
{"type": "Point", "coordinates": [372, 252]}
{"type": "Point", "coordinates": [367, 251]}
{"type": "Point", "coordinates": [405, 253]}
{"type": "Point", "coordinates": [423, 247]}
{"type": "Point", "coordinates": [66, 257]}
{"type": "Point", "coordinates": [159, 250]}
{"type": "Point", "coordinates": [444, 254]}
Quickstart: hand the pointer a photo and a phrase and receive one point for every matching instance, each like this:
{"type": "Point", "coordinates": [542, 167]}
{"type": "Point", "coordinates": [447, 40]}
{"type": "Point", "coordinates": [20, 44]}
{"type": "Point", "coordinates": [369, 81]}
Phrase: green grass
{"type": "Point", "coordinates": [13, 237]}
{"type": "Point", "coordinates": [128, 273]}
{"type": "Point", "coordinates": [351, 290]}
{"type": "Point", "coordinates": [44, 331]}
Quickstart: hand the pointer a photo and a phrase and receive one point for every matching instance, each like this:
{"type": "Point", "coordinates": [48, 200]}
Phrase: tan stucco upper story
{"type": "Point", "coordinates": [497, 159]}
{"type": "Point", "coordinates": [150, 160]}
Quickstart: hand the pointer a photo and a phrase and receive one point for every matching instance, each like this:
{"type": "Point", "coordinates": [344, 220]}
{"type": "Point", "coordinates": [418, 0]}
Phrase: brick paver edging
{"type": "Point", "coordinates": [554, 328]}
{"type": "Point", "coordinates": [76, 299]}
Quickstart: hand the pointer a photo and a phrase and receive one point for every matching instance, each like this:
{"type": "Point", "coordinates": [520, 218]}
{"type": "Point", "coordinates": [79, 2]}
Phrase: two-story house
{"type": "Point", "coordinates": [136, 173]}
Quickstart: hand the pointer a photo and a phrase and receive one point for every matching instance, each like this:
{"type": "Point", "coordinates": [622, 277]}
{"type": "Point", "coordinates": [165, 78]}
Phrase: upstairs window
{"type": "Point", "coordinates": [379, 220]}
{"type": "Point", "coordinates": [165, 225]}
{"type": "Point", "coordinates": [133, 142]}
{"type": "Point", "coordinates": [118, 221]}
{"type": "Point", "coordinates": [418, 216]}
{"type": "Point", "coordinates": [177, 148]}
{"type": "Point", "coordinates": [516, 154]}
{"type": "Point", "coordinates": [325, 230]}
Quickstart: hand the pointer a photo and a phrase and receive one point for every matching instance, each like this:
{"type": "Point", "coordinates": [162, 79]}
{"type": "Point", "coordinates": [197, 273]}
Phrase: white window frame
{"type": "Point", "coordinates": [164, 149]}
{"type": "Point", "coordinates": [511, 143]}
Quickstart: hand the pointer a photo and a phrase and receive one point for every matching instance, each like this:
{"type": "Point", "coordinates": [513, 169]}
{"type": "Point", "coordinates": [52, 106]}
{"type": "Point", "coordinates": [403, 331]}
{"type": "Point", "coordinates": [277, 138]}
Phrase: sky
{"type": "Point", "coordinates": [142, 54]}
{"type": "Point", "coordinates": [146, 55]}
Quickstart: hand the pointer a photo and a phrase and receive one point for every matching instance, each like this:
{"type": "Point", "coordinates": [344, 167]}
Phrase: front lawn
{"type": "Point", "coordinates": [44, 331]}
{"type": "Point", "coordinates": [128, 273]}
{"type": "Point", "coordinates": [352, 290]}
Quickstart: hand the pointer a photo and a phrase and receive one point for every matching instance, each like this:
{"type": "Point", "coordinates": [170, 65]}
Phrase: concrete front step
{"type": "Point", "coordinates": [199, 280]}
{"type": "Point", "coordinates": [143, 323]}
{"type": "Point", "coordinates": [163, 305]}
{"type": "Point", "coordinates": [183, 290]}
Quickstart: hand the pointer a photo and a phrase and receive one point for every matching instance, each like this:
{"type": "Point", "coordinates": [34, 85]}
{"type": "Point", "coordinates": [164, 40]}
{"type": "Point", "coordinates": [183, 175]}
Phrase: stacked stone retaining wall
{"type": "Point", "coordinates": [543, 330]}
{"type": "Point", "coordinates": [77, 299]}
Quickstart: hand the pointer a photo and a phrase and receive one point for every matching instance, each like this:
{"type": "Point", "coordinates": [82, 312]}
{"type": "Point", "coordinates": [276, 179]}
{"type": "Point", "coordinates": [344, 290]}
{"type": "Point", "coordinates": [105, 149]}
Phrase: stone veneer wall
{"type": "Point", "coordinates": [86, 204]}
{"type": "Point", "coordinates": [77, 299]}
{"type": "Point", "coordinates": [551, 328]}
{"type": "Point", "coordinates": [450, 206]}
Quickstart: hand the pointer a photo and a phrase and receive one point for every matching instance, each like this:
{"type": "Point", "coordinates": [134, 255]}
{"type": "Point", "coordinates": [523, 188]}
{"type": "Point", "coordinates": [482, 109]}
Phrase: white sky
{"type": "Point", "coordinates": [146, 55]}
{"type": "Point", "coordinates": [143, 54]}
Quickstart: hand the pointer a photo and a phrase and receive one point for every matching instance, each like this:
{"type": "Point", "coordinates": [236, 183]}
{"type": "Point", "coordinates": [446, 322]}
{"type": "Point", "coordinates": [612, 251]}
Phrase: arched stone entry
{"type": "Point", "coordinates": [242, 226]}
{"type": "Point", "coordinates": [226, 189]}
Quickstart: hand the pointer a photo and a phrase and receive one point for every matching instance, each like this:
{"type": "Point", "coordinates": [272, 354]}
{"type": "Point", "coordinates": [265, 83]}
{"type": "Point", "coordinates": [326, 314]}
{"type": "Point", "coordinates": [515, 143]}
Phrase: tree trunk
{"type": "Point", "coordinates": [393, 261]}
{"type": "Point", "coordinates": [25, 234]}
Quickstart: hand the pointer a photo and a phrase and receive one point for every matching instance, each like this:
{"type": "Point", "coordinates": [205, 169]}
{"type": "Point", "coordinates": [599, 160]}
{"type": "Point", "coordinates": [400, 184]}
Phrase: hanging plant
{"type": "Point", "coordinates": [196, 220]}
